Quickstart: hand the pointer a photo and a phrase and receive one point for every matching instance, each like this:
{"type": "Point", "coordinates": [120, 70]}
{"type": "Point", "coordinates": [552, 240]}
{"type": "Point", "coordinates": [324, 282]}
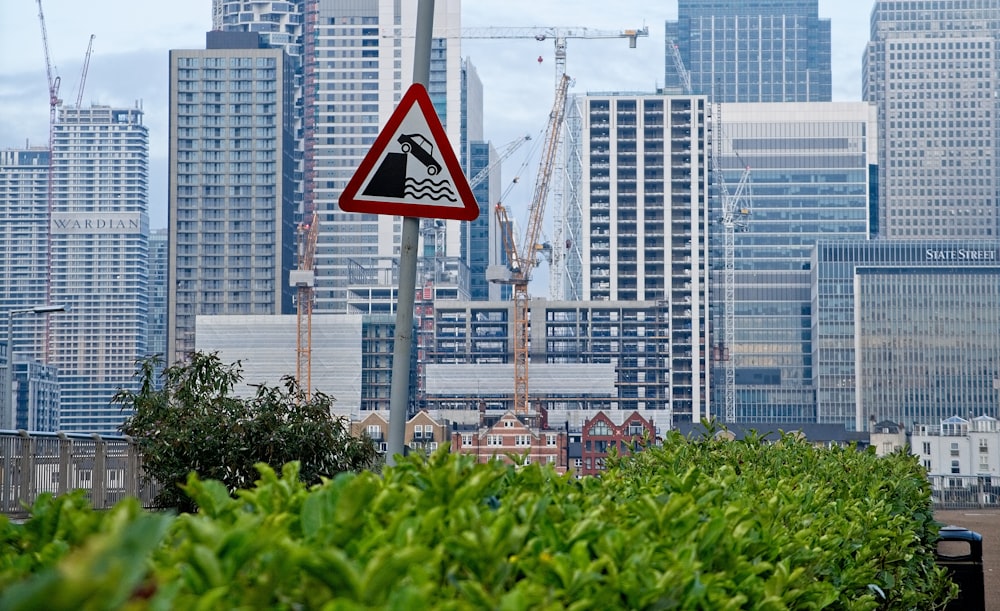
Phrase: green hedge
{"type": "Point", "coordinates": [686, 525]}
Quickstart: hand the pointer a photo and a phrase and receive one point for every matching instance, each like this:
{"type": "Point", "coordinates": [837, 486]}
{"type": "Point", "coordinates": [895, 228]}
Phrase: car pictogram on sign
{"type": "Point", "coordinates": [422, 149]}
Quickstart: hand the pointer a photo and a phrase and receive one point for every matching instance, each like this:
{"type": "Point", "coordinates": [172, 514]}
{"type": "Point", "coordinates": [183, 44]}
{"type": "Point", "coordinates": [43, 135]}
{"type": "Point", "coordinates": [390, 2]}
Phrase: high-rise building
{"type": "Point", "coordinates": [812, 177]}
{"type": "Point", "coordinates": [159, 263]}
{"type": "Point", "coordinates": [24, 175]}
{"type": "Point", "coordinates": [479, 241]}
{"type": "Point", "coordinates": [231, 195]}
{"type": "Point", "coordinates": [278, 25]}
{"type": "Point", "coordinates": [906, 331]}
{"type": "Point", "coordinates": [933, 70]}
{"type": "Point", "coordinates": [750, 50]}
{"type": "Point", "coordinates": [355, 76]}
{"type": "Point", "coordinates": [643, 217]}
{"type": "Point", "coordinates": [24, 232]}
{"type": "Point", "coordinates": [99, 261]}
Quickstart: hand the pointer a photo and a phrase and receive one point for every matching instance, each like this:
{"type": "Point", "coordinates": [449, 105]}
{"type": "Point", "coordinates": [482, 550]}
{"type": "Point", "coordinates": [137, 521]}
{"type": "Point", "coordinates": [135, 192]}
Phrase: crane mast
{"type": "Point", "coordinates": [304, 280]}
{"type": "Point", "coordinates": [735, 214]}
{"type": "Point", "coordinates": [83, 72]}
{"type": "Point", "coordinates": [54, 102]}
{"type": "Point", "coordinates": [523, 257]}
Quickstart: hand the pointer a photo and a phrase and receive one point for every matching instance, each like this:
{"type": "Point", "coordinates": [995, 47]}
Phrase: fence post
{"type": "Point", "coordinates": [25, 495]}
{"type": "Point", "coordinates": [65, 462]}
{"type": "Point", "coordinates": [100, 473]}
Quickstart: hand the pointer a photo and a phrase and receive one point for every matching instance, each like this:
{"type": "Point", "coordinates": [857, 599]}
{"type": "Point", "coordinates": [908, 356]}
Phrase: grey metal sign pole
{"type": "Point", "coordinates": [399, 391]}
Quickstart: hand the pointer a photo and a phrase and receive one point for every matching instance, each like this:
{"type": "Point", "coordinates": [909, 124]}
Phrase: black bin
{"type": "Point", "coordinates": [960, 551]}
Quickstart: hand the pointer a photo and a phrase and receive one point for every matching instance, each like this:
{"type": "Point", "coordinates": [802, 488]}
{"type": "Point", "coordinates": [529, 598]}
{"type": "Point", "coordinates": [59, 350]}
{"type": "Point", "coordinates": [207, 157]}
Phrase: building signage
{"type": "Point", "coordinates": [960, 254]}
{"type": "Point", "coordinates": [106, 223]}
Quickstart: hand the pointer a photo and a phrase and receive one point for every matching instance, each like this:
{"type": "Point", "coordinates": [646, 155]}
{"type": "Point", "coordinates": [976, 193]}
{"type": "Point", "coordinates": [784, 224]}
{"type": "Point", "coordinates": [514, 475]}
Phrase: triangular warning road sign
{"type": "Point", "coordinates": [411, 169]}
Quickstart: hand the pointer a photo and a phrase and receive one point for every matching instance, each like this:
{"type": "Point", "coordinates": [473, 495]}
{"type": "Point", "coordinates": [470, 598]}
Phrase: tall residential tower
{"type": "Point", "coordinates": [99, 261]}
{"type": "Point", "coordinates": [231, 209]}
{"type": "Point", "coordinates": [641, 219]}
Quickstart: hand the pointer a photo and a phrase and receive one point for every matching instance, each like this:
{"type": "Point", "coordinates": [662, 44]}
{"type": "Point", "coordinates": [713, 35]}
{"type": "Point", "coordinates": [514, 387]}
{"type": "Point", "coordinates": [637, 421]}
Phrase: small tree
{"type": "Point", "coordinates": [195, 424]}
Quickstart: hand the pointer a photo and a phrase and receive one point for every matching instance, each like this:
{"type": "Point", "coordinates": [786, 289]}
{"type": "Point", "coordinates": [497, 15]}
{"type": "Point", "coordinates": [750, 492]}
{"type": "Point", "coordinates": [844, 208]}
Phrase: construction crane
{"type": "Point", "coordinates": [303, 278]}
{"type": "Point", "coordinates": [682, 71]}
{"type": "Point", "coordinates": [523, 258]}
{"type": "Point", "coordinates": [736, 207]}
{"type": "Point", "coordinates": [83, 72]}
{"type": "Point", "coordinates": [559, 35]}
{"type": "Point", "coordinates": [509, 149]}
{"type": "Point", "coordinates": [433, 230]}
{"type": "Point", "coordinates": [54, 102]}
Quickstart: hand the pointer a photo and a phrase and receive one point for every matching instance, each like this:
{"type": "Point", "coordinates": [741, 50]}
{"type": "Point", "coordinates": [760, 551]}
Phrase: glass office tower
{"type": "Point", "coordinates": [933, 70]}
{"type": "Point", "coordinates": [750, 50]}
{"type": "Point", "coordinates": [906, 331]}
{"type": "Point", "coordinates": [811, 166]}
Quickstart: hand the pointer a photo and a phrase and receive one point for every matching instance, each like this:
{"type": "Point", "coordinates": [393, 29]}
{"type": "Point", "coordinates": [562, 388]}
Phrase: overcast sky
{"type": "Point", "coordinates": [129, 61]}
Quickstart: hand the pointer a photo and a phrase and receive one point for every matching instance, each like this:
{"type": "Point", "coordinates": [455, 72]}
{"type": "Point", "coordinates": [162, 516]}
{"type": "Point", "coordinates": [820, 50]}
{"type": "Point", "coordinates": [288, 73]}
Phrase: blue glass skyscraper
{"type": "Point", "coordinates": [750, 50]}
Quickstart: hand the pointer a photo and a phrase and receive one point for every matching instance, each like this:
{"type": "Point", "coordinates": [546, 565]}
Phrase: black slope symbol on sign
{"type": "Point", "coordinates": [391, 180]}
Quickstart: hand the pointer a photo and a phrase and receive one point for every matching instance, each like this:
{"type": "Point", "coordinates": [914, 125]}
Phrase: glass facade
{"type": "Point", "coordinates": [751, 50]}
{"type": "Point", "coordinates": [476, 243]}
{"type": "Point", "coordinates": [809, 181]}
{"type": "Point", "coordinates": [906, 331]}
{"type": "Point", "coordinates": [933, 70]}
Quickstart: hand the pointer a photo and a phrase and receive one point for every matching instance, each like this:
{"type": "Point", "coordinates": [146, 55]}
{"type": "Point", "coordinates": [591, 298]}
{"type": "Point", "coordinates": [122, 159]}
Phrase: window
{"type": "Point", "coordinates": [600, 429]}
{"type": "Point", "coordinates": [466, 439]}
{"type": "Point", "coordinates": [955, 469]}
{"type": "Point", "coordinates": [550, 440]}
{"type": "Point", "coordinates": [984, 446]}
{"type": "Point", "coordinates": [954, 448]}
{"type": "Point", "coordinates": [927, 448]}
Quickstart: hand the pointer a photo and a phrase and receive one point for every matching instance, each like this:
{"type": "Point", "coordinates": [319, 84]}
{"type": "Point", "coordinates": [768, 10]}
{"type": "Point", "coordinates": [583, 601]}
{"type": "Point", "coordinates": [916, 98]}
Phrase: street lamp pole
{"type": "Point", "coordinates": [8, 418]}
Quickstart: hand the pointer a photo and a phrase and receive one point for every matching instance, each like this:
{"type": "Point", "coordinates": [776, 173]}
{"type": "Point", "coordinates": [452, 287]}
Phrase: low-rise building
{"type": "Point", "coordinates": [510, 436]}
{"type": "Point", "coordinates": [962, 458]}
{"type": "Point", "coordinates": [600, 434]}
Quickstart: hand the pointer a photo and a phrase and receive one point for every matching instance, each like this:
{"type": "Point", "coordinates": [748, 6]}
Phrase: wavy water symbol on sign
{"type": "Point", "coordinates": [429, 189]}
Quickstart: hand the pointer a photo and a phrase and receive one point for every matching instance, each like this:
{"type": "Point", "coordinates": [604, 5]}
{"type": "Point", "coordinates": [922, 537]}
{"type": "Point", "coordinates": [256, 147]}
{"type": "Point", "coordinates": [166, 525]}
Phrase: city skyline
{"type": "Point", "coordinates": [513, 79]}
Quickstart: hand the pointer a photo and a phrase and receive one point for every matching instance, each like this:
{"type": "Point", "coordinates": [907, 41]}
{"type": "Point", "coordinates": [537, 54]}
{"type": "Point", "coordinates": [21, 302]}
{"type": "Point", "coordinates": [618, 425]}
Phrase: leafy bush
{"type": "Point", "coordinates": [707, 525]}
{"type": "Point", "coordinates": [195, 424]}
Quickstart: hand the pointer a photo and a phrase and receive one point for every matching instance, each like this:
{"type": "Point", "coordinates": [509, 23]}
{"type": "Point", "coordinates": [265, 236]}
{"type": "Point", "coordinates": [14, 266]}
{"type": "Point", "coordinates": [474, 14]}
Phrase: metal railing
{"type": "Point", "coordinates": [965, 491]}
{"type": "Point", "coordinates": [109, 468]}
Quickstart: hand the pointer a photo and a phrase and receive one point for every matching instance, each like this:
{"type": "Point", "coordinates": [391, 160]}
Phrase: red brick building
{"type": "Point", "coordinates": [600, 434]}
{"type": "Point", "coordinates": [509, 435]}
